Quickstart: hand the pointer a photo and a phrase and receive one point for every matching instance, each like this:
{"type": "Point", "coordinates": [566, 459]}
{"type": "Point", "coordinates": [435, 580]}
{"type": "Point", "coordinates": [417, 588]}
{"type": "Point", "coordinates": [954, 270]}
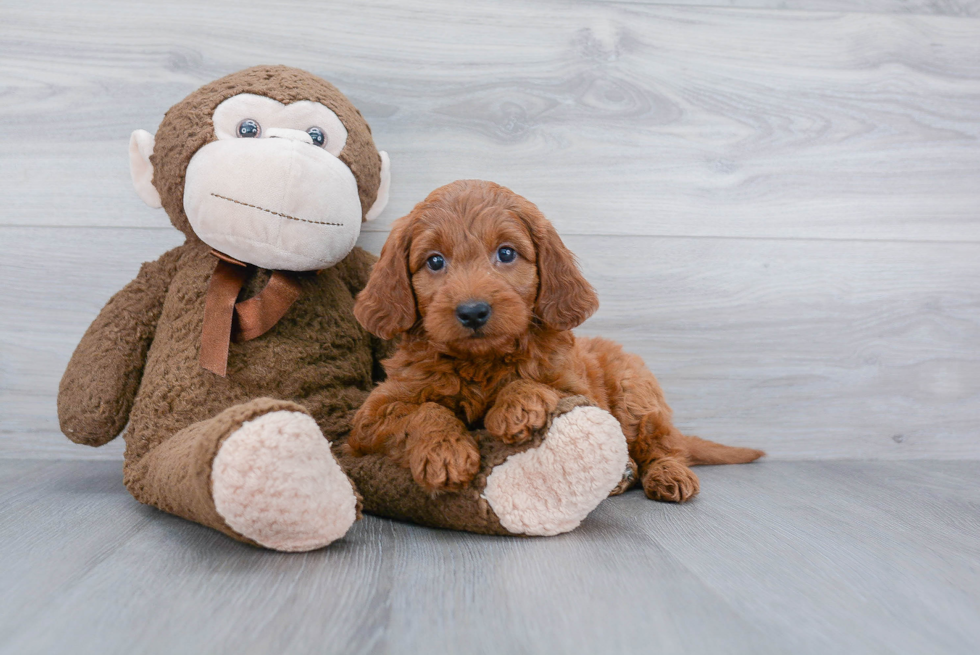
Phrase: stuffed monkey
{"type": "Point", "coordinates": [235, 359]}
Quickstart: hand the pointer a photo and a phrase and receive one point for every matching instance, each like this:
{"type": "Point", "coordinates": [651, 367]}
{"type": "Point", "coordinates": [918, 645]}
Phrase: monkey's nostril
{"type": "Point", "coordinates": [473, 314]}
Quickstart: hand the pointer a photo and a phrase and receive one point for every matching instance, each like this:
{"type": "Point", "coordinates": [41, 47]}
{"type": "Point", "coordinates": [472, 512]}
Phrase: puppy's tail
{"type": "Point", "coordinates": [703, 452]}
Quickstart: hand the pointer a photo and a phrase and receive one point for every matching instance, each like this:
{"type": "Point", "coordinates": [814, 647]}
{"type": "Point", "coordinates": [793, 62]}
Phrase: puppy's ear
{"type": "Point", "coordinates": [565, 298]}
{"type": "Point", "coordinates": [386, 305]}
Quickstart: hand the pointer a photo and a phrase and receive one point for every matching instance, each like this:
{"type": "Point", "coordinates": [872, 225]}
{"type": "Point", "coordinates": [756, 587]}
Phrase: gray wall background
{"type": "Point", "coordinates": [778, 201]}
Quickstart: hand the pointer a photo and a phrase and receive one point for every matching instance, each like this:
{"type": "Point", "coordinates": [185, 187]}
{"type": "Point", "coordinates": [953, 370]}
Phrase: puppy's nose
{"type": "Point", "coordinates": [473, 314]}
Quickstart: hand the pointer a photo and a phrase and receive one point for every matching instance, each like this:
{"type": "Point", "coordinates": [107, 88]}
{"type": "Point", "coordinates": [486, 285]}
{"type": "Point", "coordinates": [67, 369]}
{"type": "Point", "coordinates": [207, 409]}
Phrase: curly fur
{"type": "Point", "coordinates": [509, 374]}
{"type": "Point", "coordinates": [138, 363]}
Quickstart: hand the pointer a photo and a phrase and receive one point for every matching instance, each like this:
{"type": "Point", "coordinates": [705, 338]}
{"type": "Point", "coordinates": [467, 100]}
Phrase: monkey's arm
{"type": "Point", "coordinates": [355, 270]}
{"type": "Point", "coordinates": [100, 383]}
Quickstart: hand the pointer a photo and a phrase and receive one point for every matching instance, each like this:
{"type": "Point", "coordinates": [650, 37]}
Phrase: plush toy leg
{"type": "Point", "coordinates": [549, 489]}
{"type": "Point", "coordinates": [260, 472]}
{"type": "Point", "coordinates": [543, 487]}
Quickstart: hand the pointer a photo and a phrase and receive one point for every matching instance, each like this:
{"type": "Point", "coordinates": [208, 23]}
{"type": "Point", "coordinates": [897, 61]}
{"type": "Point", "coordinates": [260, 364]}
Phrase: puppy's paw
{"type": "Point", "coordinates": [444, 461]}
{"type": "Point", "coordinates": [670, 481]}
{"type": "Point", "coordinates": [515, 417]}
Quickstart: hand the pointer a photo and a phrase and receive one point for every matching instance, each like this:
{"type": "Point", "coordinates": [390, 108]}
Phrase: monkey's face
{"type": "Point", "coordinates": [271, 190]}
{"type": "Point", "coordinates": [271, 165]}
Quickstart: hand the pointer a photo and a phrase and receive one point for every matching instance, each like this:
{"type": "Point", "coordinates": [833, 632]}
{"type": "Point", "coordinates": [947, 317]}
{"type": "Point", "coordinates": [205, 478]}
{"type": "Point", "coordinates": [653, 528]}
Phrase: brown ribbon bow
{"type": "Point", "coordinates": [226, 320]}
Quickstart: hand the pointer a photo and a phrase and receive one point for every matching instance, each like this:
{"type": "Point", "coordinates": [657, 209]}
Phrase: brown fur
{"type": "Point", "coordinates": [391, 490]}
{"type": "Point", "coordinates": [511, 373]}
{"type": "Point", "coordinates": [138, 361]}
{"type": "Point", "coordinates": [187, 127]}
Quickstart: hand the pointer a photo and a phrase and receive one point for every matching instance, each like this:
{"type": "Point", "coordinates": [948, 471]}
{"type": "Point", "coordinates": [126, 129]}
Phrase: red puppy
{"type": "Point", "coordinates": [485, 295]}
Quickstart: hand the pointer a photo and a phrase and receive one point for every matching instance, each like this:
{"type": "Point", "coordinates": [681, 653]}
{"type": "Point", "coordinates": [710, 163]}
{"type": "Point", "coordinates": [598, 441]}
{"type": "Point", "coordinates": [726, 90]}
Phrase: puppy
{"type": "Point", "coordinates": [484, 294]}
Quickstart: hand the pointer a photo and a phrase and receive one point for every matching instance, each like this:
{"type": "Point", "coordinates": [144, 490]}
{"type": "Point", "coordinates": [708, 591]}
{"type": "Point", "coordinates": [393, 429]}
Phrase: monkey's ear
{"type": "Point", "coordinates": [381, 200]}
{"type": "Point", "coordinates": [386, 305]}
{"type": "Point", "coordinates": [140, 148]}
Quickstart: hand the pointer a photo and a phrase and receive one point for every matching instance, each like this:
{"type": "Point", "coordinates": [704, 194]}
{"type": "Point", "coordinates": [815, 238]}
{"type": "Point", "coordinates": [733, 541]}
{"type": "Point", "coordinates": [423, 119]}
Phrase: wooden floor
{"type": "Point", "coordinates": [778, 202]}
{"type": "Point", "coordinates": [776, 557]}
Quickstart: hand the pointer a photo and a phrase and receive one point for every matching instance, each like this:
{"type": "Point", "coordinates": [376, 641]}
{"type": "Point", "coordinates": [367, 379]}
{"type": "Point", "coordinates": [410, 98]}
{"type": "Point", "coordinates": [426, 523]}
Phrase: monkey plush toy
{"type": "Point", "coordinates": [236, 361]}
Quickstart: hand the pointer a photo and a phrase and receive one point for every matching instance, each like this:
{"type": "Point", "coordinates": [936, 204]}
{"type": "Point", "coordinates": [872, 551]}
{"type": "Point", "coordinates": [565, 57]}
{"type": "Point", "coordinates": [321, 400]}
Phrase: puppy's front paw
{"type": "Point", "coordinates": [670, 481]}
{"type": "Point", "coordinates": [515, 418]}
{"type": "Point", "coordinates": [444, 461]}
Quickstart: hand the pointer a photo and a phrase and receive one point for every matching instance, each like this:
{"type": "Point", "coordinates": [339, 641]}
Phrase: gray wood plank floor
{"type": "Point", "coordinates": [776, 557]}
{"type": "Point", "coordinates": [778, 203]}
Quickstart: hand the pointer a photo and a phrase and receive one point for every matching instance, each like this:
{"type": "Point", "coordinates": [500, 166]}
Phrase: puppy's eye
{"type": "Point", "coordinates": [318, 135]}
{"type": "Point", "coordinates": [506, 254]}
{"type": "Point", "coordinates": [248, 128]}
{"type": "Point", "coordinates": [435, 262]}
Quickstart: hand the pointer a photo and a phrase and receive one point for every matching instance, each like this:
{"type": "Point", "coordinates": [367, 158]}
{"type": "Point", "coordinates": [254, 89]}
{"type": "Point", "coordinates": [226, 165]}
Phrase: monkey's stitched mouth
{"type": "Point", "coordinates": [292, 218]}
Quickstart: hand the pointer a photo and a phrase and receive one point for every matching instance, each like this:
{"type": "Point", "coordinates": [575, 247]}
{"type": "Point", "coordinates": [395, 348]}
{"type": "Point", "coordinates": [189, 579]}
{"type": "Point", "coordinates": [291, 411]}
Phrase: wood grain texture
{"type": "Point", "coordinates": [969, 8]}
{"type": "Point", "coordinates": [853, 557]}
{"type": "Point", "coordinates": [777, 203]}
{"type": "Point", "coordinates": [808, 349]}
{"type": "Point", "coordinates": [646, 119]}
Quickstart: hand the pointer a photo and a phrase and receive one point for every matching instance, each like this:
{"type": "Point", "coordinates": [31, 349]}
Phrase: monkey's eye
{"type": "Point", "coordinates": [318, 135]}
{"type": "Point", "coordinates": [248, 128]}
{"type": "Point", "coordinates": [506, 254]}
{"type": "Point", "coordinates": [435, 262]}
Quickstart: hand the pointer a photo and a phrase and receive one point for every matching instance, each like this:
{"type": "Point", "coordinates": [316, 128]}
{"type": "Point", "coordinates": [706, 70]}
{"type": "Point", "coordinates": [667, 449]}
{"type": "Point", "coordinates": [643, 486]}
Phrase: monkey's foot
{"type": "Point", "coordinates": [549, 489]}
{"type": "Point", "coordinates": [275, 481]}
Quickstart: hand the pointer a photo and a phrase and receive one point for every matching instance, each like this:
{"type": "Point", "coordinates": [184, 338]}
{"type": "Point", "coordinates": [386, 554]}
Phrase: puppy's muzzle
{"type": "Point", "coordinates": [473, 315]}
